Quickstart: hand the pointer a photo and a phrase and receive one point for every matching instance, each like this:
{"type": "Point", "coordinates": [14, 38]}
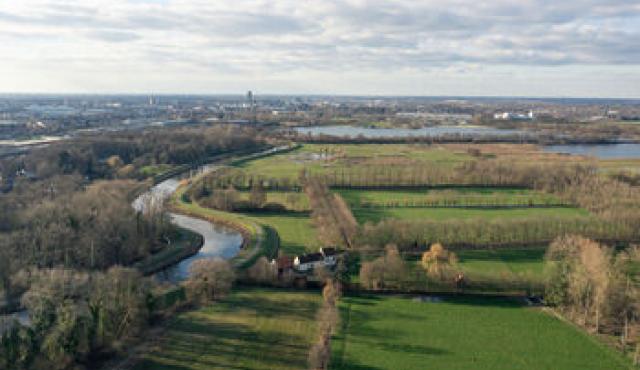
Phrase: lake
{"type": "Point", "coordinates": [600, 151]}
{"type": "Point", "coordinates": [433, 131]}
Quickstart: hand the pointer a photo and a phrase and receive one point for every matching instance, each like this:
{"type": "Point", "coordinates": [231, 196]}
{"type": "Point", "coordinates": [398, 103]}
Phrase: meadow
{"type": "Point", "coordinates": [250, 329]}
{"type": "Point", "coordinates": [297, 234]}
{"type": "Point", "coordinates": [503, 262]}
{"type": "Point", "coordinates": [326, 158]}
{"type": "Point", "coordinates": [383, 332]}
{"type": "Point", "coordinates": [494, 264]}
{"type": "Point", "coordinates": [364, 215]}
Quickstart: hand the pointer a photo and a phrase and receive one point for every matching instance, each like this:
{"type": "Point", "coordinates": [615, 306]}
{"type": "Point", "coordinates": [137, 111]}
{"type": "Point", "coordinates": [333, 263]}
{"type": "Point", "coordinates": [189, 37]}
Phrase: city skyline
{"type": "Point", "coordinates": [426, 48]}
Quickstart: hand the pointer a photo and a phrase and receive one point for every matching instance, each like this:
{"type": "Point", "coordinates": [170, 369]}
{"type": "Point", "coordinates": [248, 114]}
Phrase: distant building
{"type": "Point", "coordinates": [509, 116]}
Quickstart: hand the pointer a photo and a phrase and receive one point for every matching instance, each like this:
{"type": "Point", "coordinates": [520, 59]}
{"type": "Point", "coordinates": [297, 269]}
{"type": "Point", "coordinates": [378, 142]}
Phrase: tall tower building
{"type": "Point", "coordinates": [251, 102]}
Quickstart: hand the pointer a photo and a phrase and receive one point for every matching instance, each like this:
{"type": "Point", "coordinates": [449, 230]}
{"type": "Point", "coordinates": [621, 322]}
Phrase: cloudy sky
{"type": "Point", "coordinates": [401, 47]}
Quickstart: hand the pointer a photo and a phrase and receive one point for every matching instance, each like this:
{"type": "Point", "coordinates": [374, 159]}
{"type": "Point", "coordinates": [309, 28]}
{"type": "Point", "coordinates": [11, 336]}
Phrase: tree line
{"type": "Point", "coordinates": [123, 154]}
{"type": "Point", "coordinates": [330, 214]}
{"type": "Point", "coordinates": [479, 232]}
{"type": "Point", "coordinates": [596, 287]}
{"type": "Point", "coordinates": [327, 319]}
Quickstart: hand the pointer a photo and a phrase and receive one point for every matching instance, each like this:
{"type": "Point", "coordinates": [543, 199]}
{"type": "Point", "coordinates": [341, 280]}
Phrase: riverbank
{"type": "Point", "coordinates": [257, 239]}
{"type": "Point", "coordinates": [188, 244]}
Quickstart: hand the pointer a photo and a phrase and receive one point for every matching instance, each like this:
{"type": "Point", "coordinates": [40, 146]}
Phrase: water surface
{"type": "Point", "coordinates": [600, 151]}
{"type": "Point", "coordinates": [219, 242]}
{"type": "Point", "coordinates": [434, 131]}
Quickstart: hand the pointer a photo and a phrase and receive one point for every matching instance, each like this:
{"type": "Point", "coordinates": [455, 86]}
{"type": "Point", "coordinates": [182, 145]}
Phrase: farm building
{"type": "Point", "coordinates": [325, 258]}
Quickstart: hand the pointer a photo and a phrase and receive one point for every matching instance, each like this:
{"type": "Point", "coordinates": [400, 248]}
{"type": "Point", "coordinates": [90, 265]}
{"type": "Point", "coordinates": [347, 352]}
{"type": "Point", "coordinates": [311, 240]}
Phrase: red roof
{"type": "Point", "coordinates": [284, 262]}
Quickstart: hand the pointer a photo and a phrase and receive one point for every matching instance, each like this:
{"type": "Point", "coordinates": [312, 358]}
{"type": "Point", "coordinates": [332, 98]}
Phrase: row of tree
{"type": "Point", "coordinates": [123, 154]}
{"type": "Point", "coordinates": [241, 180]}
{"type": "Point", "coordinates": [330, 214]}
{"type": "Point", "coordinates": [452, 200]}
{"type": "Point", "coordinates": [327, 319]}
{"type": "Point", "coordinates": [479, 232]}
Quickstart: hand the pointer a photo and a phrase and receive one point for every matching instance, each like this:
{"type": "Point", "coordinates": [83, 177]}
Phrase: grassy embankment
{"type": "Point", "coordinates": [461, 333]}
{"type": "Point", "coordinates": [250, 329]}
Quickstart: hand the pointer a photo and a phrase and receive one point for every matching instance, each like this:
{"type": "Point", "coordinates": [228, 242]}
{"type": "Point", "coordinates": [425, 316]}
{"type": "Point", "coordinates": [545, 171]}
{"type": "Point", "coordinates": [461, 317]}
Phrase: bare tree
{"type": "Point", "coordinates": [387, 271]}
{"type": "Point", "coordinates": [257, 197]}
{"type": "Point", "coordinates": [209, 279]}
{"type": "Point", "coordinates": [262, 271]}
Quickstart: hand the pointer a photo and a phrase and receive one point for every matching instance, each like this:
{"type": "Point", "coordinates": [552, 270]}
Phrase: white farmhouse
{"type": "Point", "coordinates": [327, 257]}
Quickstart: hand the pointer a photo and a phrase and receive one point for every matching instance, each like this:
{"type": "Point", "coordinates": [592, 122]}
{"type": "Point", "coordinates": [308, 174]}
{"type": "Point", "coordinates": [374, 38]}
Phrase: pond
{"type": "Point", "coordinates": [433, 131]}
{"type": "Point", "coordinates": [600, 151]}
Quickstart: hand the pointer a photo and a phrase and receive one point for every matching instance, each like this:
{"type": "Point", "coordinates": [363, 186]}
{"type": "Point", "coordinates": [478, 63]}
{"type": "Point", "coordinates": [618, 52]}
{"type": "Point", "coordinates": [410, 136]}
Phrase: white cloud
{"type": "Point", "coordinates": [330, 46]}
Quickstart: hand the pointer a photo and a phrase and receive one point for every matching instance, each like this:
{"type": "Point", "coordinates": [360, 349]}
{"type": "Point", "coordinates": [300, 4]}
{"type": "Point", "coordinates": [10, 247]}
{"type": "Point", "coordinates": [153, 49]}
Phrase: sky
{"type": "Point", "coordinates": [573, 48]}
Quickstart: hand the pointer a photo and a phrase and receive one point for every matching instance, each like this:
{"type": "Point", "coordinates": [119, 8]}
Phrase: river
{"type": "Point", "coordinates": [219, 241]}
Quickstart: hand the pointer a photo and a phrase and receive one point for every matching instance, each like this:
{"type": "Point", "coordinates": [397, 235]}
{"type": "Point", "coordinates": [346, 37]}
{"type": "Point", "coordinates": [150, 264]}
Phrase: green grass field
{"type": "Point", "coordinates": [440, 214]}
{"type": "Point", "coordinates": [249, 330]}
{"type": "Point", "coordinates": [380, 333]}
{"type": "Point", "coordinates": [297, 234]}
{"type": "Point", "coordinates": [496, 264]}
{"type": "Point", "coordinates": [503, 262]}
{"type": "Point", "coordinates": [289, 165]}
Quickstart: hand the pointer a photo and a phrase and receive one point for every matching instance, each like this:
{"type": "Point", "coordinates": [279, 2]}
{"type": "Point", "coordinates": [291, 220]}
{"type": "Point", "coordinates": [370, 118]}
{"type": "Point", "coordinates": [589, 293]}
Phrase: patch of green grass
{"type": "Point", "coordinates": [249, 330]}
{"type": "Point", "coordinates": [441, 214]}
{"type": "Point", "coordinates": [154, 170]}
{"type": "Point", "coordinates": [503, 262]}
{"type": "Point", "coordinates": [292, 200]}
{"type": "Point", "coordinates": [461, 333]}
{"type": "Point", "coordinates": [297, 234]}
